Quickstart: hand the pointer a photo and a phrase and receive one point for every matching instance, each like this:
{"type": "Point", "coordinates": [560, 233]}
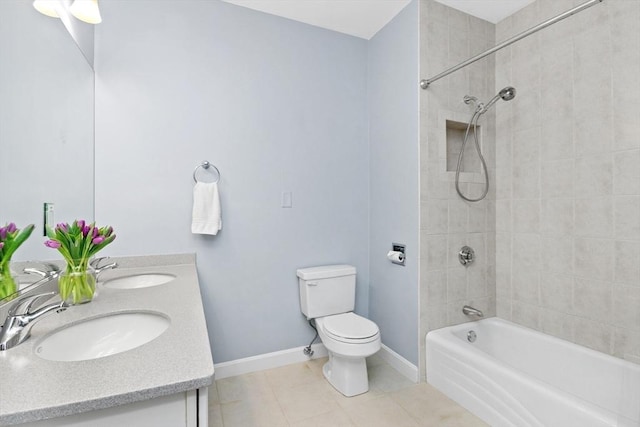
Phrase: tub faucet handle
{"type": "Point", "coordinates": [466, 256]}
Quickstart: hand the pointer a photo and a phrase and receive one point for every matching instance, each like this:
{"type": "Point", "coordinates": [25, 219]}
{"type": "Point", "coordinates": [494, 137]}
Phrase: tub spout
{"type": "Point", "coordinates": [470, 311]}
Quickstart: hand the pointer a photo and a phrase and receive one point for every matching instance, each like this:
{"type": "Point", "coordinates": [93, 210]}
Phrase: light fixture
{"type": "Point", "coordinates": [86, 10]}
{"type": "Point", "coordinates": [46, 7]}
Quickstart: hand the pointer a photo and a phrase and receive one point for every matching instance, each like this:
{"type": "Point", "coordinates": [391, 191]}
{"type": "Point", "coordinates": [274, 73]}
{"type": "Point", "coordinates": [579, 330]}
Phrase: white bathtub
{"type": "Point", "coordinates": [515, 376]}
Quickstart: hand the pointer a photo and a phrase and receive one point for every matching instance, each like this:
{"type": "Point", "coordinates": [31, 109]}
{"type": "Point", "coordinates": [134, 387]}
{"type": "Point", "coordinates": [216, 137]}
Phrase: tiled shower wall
{"type": "Point", "coordinates": [447, 222]}
{"type": "Point", "coordinates": [568, 175]}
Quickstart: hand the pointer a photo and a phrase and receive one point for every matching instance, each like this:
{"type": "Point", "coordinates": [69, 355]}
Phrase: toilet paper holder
{"type": "Point", "coordinates": [397, 254]}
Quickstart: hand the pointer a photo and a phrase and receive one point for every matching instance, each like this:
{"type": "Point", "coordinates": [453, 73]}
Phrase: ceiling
{"type": "Point", "coordinates": [364, 18]}
{"type": "Point", "coordinates": [360, 18]}
{"type": "Point", "coordinates": [489, 10]}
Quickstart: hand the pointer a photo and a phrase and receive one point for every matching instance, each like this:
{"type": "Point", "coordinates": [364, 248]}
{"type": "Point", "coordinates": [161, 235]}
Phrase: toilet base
{"type": "Point", "coordinates": [347, 375]}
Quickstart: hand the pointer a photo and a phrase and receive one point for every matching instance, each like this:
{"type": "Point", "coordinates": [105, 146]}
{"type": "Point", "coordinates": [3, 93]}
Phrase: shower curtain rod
{"type": "Point", "coordinates": [424, 84]}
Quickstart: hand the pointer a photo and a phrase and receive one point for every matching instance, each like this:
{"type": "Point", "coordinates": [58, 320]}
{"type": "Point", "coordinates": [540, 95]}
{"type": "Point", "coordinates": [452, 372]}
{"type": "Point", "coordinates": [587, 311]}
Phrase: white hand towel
{"type": "Point", "coordinates": [206, 218]}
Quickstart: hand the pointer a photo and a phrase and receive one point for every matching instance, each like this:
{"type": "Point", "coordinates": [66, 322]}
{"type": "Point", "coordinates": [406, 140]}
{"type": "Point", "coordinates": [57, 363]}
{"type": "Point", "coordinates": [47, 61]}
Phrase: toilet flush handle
{"type": "Point", "coordinates": [312, 283]}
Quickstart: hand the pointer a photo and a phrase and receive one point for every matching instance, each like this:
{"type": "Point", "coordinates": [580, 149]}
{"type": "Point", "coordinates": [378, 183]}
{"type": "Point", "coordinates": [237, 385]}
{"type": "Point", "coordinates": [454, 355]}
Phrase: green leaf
{"type": "Point", "coordinates": [11, 247]}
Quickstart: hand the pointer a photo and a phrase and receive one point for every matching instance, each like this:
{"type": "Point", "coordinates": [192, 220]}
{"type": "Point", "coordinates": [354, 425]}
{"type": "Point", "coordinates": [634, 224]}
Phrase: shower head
{"type": "Point", "coordinates": [507, 94]}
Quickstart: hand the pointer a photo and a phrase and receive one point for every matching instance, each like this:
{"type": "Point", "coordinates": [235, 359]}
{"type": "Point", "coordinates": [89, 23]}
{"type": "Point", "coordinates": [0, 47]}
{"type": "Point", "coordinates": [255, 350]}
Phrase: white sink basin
{"type": "Point", "coordinates": [102, 336]}
{"type": "Point", "coordinates": [139, 281]}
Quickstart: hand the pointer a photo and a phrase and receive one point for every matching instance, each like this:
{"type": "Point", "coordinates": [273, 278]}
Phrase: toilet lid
{"type": "Point", "coordinates": [350, 325]}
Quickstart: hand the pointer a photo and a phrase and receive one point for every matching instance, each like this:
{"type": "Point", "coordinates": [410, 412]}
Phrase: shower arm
{"type": "Point", "coordinates": [424, 84]}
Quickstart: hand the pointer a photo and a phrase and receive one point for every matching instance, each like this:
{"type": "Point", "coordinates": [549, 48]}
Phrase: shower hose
{"type": "Point", "coordinates": [473, 122]}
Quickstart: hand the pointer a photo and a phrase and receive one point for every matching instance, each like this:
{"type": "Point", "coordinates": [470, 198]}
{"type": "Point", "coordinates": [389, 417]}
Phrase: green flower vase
{"type": "Point", "coordinates": [77, 285]}
{"type": "Point", "coordinates": [7, 282]}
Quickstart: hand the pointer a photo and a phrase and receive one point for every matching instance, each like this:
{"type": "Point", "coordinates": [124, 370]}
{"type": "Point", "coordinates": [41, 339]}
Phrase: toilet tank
{"type": "Point", "coordinates": [327, 290]}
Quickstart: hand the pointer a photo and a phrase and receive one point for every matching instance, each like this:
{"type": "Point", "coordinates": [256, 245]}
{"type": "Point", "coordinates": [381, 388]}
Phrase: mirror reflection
{"type": "Point", "coordinates": [46, 125]}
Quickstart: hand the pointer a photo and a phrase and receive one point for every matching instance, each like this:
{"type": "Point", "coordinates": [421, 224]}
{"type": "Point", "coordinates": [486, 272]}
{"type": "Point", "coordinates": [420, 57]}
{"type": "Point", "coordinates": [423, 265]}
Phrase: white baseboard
{"type": "Point", "coordinates": [296, 355]}
{"type": "Point", "coordinates": [267, 361]}
{"type": "Point", "coordinates": [400, 364]}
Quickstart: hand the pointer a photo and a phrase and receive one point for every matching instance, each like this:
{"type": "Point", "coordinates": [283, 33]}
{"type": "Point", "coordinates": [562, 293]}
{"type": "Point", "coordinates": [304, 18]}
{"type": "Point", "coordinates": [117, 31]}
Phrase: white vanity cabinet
{"type": "Point", "coordinates": [188, 409]}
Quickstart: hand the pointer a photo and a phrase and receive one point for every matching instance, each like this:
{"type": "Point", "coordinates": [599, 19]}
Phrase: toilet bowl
{"type": "Point", "coordinates": [327, 295]}
{"type": "Point", "coordinates": [349, 339]}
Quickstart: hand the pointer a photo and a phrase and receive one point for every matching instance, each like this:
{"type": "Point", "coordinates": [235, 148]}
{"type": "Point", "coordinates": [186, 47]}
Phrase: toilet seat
{"type": "Point", "coordinates": [350, 328]}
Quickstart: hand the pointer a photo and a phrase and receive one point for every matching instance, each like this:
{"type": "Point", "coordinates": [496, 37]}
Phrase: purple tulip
{"type": "Point", "coordinates": [98, 240]}
{"type": "Point", "coordinates": [63, 227]}
{"type": "Point", "coordinates": [11, 227]}
{"type": "Point", "coordinates": [80, 223]}
{"type": "Point", "coordinates": [3, 233]}
{"type": "Point", "coordinates": [95, 232]}
{"type": "Point", "coordinates": [52, 244]}
{"type": "Point", "coordinates": [85, 230]}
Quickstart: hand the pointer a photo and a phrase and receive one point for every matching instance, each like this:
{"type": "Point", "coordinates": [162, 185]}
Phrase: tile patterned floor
{"type": "Point", "coordinates": [299, 396]}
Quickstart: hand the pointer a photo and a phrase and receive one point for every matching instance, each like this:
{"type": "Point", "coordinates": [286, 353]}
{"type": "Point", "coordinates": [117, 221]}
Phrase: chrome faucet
{"type": "Point", "coordinates": [96, 262]}
{"type": "Point", "coordinates": [20, 319]}
{"type": "Point", "coordinates": [470, 311]}
{"type": "Point", "coordinates": [52, 271]}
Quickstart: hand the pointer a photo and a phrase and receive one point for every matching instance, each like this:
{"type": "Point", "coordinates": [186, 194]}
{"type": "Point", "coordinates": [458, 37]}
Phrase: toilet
{"type": "Point", "coordinates": [327, 295]}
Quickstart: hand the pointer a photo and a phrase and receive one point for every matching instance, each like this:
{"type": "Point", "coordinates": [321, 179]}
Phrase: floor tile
{"type": "Point", "coordinates": [346, 402]}
{"type": "Point", "coordinates": [298, 395]}
{"type": "Point", "coordinates": [452, 417]}
{"type": "Point", "coordinates": [215, 415]}
{"type": "Point", "coordinates": [387, 379]}
{"type": "Point", "coordinates": [380, 412]}
{"type": "Point", "coordinates": [249, 387]}
{"type": "Point", "coordinates": [375, 360]}
{"type": "Point", "coordinates": [213, 394]}
{"type": "Point", "coordinates": [307, 400]}
{"type": "Point", "coordinates": [253, 414]}
{"type": "Point", "coordinates": [291, 375]}
{"type": "Point", "coordinates": [337, 418]}
{"type": "Point", "coordinates": [316, 365]}
{"type": "Point", "coordinates": [431, 408]}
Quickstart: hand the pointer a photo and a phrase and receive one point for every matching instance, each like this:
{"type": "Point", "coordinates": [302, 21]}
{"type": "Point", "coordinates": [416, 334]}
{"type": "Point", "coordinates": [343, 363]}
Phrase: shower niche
{"type": "Point", "coordinates": [454, 139]}
{"type": "Point", "coordinates": [453, 126]}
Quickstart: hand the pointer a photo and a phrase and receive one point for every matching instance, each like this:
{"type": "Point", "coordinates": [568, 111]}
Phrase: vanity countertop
{"type": "Point", "coordinates": [32, 388]}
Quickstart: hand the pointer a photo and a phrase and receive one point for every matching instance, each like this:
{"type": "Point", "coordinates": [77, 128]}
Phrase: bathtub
{"type": "Point", "coordinates": [515, 376]}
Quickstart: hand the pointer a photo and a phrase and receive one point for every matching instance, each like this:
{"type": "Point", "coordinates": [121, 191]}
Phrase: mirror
{"type": "Point", "coordinates": [46, 125]}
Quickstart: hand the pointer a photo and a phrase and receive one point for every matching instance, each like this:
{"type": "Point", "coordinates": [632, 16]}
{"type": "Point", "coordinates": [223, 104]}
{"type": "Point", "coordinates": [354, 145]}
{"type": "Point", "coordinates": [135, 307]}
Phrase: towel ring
{"type": "Point", "coordinates": [206, 165]}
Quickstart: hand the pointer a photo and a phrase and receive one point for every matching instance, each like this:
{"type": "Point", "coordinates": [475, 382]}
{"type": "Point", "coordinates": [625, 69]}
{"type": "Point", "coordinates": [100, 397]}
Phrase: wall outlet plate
{"type": "Point", "coordinates": [48, 219]}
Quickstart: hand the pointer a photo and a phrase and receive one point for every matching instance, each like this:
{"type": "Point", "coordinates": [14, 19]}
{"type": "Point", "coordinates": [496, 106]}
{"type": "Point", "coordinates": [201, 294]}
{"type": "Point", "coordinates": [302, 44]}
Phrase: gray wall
{"type": "Point", "coordinates": [277, 106]}
{"type": "Point", "coordinates": [447, 222]}
{"type": "Point", "coordinates": [568, 207]}
{"type": "Point", "coordinates": [561, 234]}
{"type": "Point", "coordinates": [393, 172]}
